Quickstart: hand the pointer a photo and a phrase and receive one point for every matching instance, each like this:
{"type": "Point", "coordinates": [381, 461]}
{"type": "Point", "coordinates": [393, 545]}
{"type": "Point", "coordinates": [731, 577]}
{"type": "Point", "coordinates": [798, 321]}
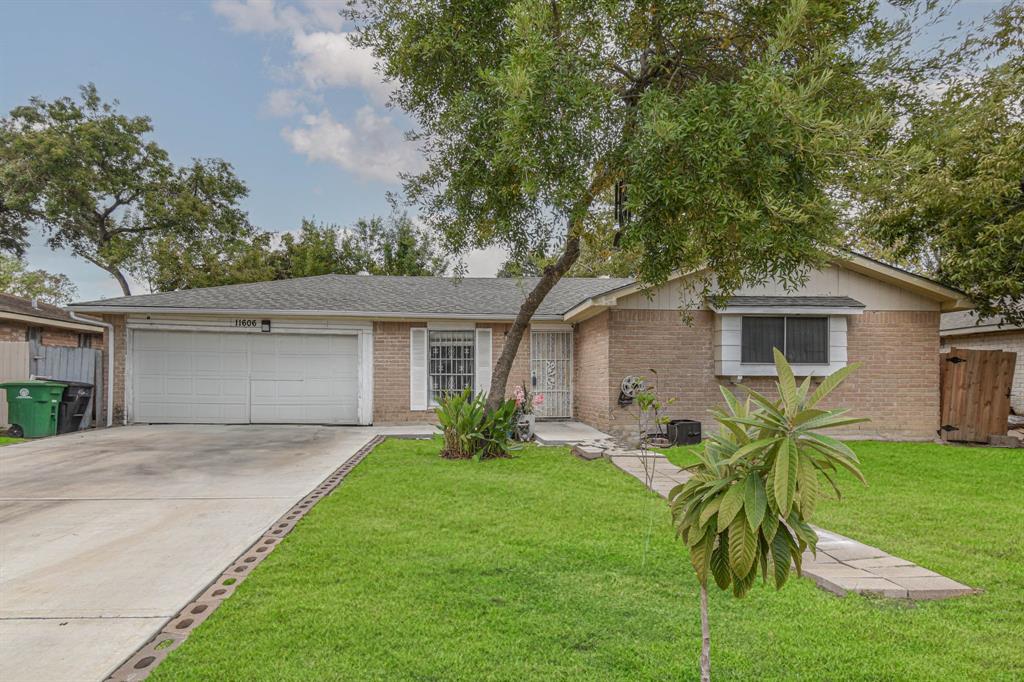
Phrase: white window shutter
{"type": "Point", "coordinates": [483, 360]}
{"type": "Point", "coordinates": [417, 368]}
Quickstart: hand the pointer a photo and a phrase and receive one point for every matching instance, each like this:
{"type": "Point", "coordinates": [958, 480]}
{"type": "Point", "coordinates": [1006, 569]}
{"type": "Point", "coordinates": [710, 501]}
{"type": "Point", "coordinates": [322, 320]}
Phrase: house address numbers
{"type": "Point", "coordinates": [262, 325]}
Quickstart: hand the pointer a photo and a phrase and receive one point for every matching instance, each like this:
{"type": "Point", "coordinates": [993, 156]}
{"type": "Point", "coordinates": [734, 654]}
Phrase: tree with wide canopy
{"type": "Point", "coordinates": [722, 128]}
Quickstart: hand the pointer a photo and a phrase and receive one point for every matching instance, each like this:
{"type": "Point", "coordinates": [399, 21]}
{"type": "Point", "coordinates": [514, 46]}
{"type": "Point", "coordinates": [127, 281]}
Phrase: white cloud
{"type": "Point", "coordinates": [484, 262]}
{"type": "Point", "coordinates": [259, 16]}
{"type": "Point", "coordinates": [285, 103]}
{"type": "Point", "coordinates": [326, 60]}
{"type": "Point", "coordinates": [372, 146]}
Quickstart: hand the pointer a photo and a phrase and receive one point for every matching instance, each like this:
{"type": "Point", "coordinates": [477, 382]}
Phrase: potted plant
{"type": "Point", "coordinates": [526, 402]}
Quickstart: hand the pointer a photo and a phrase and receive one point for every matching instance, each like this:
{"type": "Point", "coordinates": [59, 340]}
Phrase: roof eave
{"type": "Point", "coordinates": [949, 299]}
{"type": "Point", "coordinates": [50, 322]}
{"type": "Point", "coordinates": [162, 310]}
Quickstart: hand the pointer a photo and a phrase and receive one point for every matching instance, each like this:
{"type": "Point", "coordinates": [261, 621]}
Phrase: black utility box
{"type": "Point", "coordinates": [684, 431]}
{"type": "Point", "coordinates": [73, 405]}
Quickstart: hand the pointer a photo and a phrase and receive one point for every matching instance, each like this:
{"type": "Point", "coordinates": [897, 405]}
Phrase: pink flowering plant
{"type": "Point", "coordinates": [526, 401]}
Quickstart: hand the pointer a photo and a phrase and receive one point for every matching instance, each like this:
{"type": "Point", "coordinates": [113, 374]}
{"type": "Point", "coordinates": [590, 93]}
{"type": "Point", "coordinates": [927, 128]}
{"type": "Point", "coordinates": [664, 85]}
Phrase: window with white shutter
{"type": "Point", "coordinates": [483, 360]}
{"type": "Point", "coordinates": [418, 368]}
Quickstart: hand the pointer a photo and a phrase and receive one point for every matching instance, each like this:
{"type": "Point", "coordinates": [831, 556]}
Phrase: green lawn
{"type": "Point", "coordinates": [5, 440]}
{"type": "Point", "coordinates": [533, 568]}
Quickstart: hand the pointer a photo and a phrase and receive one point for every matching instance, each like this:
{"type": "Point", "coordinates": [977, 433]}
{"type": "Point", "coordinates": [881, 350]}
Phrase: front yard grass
{"type": "Point", "coordinates": [536, 568]}
{"type": "Point", "coordinates": [7, 440]}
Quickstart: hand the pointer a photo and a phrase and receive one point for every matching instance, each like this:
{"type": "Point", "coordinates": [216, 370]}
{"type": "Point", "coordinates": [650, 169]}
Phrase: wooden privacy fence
{"type": "Point", "coordinates": [975, 401]}
{"type": "Point", "coordinates": [13, 367]}
{"type": "Point", "coordinates": [71, 364]}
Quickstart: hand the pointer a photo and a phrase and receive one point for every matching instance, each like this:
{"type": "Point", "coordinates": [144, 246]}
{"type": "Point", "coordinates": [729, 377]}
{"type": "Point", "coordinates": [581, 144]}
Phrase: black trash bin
{"type": "Point", "coordinates": [684, 431]}
{"type": "Point", "coordinates": [73, 404]}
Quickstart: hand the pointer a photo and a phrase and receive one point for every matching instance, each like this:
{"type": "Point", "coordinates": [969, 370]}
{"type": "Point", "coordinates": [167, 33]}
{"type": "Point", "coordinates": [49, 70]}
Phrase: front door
{"type": "Point", "coordinates": [551, 372]}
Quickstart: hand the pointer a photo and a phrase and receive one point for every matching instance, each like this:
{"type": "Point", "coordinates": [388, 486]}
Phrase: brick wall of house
{"type": "Point", "coordinates": [1011, 341]}
{"type": "Point", "coordinates": [391, 374]}
{"type": "Point", "coordinates": [681, 355]}
{"type": "Point", "coordinates": [898, 386]}
{"type": "Point", "coordinates": [391, 369]}
{"type": "Point", "coordinates": [590, 371]}
{"type": "Point", "coordinates": [120, 349]}
{"type": "Point", "coordinates": [520, 371]}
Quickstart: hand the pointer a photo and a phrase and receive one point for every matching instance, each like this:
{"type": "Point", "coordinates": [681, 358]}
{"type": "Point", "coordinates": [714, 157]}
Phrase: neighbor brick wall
{"type": "Point", "coordinates": [590, 371]}
{"type": "Point", "coordinates": [1011, 341]}
{"type": "Point", "coordinates": [898, 387]}
{"type": "Point", "coordinates": [63, 338]}
{"type": "Point", "coordinates": [13, 331]}
{"type": "Point", "coordinates": [66, 338]}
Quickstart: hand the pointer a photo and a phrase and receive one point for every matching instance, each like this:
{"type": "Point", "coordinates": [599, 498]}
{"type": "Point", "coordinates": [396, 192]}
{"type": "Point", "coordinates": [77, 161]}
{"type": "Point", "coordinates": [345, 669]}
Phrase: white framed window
{"type": "Point", "coordinates": [451, 363]}
{"type": "Point", "coordinates": [803, 340]}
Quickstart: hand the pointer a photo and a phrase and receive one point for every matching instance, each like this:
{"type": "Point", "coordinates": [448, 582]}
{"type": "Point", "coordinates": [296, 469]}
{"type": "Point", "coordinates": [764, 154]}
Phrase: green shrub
{"type": "Point", "coordinates": [470, 431]}
{"type": "Point", "coordinates": [748, 507]}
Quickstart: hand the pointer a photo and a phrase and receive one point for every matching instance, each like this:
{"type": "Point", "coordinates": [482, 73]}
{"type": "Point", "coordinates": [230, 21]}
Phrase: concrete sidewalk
{"type": "Point", "coordinates": [841, 565]}
{"type": "Point", "coordinates": [105, 535]}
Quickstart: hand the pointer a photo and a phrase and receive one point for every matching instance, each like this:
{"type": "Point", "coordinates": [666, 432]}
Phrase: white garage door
{"type": "Point", "coordinates": [218, 378]}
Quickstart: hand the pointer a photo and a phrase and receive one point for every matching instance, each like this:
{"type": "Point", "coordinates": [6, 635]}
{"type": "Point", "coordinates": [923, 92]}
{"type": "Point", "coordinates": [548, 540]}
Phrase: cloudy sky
{"type": "Point", "coordinates": [273, 87]}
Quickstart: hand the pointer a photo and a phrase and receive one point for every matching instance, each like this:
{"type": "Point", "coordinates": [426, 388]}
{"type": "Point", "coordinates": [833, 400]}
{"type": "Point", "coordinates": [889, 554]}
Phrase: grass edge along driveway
{"type": "Point", "coordinates": [540, 567]}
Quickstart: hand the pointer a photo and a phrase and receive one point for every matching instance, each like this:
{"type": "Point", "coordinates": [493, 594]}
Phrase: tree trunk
{"type": "Point", "coordinates": [114, 272]}
{"type": "Point", "coordinates": [550, 277]}
{"type": "Point", "coordinates": [121, 279]}
{"type": "Point", "coordinates": [705, 636]}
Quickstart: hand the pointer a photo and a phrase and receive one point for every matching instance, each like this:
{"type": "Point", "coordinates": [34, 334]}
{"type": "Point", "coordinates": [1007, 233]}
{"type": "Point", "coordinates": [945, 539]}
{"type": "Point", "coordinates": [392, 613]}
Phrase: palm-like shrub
{"type": "Point", "coordinates": [471, 431]}
{"type": "Point", "coordinates": [748, 506]}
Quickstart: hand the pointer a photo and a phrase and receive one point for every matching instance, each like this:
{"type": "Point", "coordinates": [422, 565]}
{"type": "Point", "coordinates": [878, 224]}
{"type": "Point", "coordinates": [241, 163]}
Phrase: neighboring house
{"type": "Point", "coordinates": [22, 319]}
{"type": "Point", "coordinates": [24, 323]}
{"type": "Point", "coordinates": [965, 330]}
{"type": "Point", "coordinates": [362, 349]}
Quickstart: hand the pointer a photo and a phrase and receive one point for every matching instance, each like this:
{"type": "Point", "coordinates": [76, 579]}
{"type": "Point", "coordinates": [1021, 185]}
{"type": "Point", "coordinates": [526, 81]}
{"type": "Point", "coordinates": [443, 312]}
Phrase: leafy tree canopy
{"type": "Point", "coordinates": [953, 205]}
{"type": "Point", "coordinates": [16, 279]}
{"type": "Point", "coordinates": [729, 125]}
{"type": "Point", "coordinates": [91, 180]}
{"type": "Point", "coordinates": [376, 245]}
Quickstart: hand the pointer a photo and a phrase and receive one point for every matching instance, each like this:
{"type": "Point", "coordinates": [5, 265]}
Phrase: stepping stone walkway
{"type": "Point", "coordinates": [842, 565]}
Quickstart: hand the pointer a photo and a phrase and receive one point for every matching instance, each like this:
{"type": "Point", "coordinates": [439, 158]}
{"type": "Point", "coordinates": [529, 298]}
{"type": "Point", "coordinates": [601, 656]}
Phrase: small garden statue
{"type": "Point", "coordinates": [526, 402]}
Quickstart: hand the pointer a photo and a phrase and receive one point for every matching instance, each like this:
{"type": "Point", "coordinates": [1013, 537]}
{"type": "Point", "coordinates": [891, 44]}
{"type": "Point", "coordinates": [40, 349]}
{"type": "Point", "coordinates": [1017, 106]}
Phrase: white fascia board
{"type": "Point", "coordinates": [789, 310]}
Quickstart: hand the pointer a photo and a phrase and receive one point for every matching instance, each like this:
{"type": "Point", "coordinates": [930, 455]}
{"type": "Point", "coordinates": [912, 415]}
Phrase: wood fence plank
{"type": "Point", "coordinates": [14, 366]}
{"type": "Point", "coordinates": [974, 393]}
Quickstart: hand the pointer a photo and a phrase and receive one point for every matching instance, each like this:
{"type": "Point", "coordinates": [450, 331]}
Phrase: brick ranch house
{"type": "Point", "coordinates": [373, 350]}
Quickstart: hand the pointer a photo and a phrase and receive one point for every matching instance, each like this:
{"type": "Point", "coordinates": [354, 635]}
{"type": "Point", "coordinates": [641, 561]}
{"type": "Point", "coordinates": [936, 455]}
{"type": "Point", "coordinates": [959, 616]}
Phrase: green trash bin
{"type": "Point", "coordinates": [32, 407]}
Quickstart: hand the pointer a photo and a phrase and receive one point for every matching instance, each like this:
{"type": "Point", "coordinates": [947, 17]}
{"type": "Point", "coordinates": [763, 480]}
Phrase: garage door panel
{"type": "Point", "coordinates": [177, 386]}
{"type": "Point", "coordinates": [205, 377]}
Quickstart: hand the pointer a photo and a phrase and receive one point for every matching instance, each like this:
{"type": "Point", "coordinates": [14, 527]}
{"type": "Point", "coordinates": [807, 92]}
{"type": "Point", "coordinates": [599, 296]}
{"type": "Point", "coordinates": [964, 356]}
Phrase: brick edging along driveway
{"type": "Point", "coordinates": [140, 664]}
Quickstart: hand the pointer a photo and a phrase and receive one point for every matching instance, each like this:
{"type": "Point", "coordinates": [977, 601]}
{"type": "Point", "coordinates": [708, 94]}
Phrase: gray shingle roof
{"type": "Point", "coordinates": [44, 311]}
{"type": "Point", "coordinates": [790, 301]}
{"type": "Point", "coordinates": [369, 295]}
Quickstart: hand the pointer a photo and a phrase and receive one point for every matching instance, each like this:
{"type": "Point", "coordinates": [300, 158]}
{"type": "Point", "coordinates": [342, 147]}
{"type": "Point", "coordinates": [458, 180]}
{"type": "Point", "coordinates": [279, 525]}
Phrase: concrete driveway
{"type": "Point", "coordinates": [105, 535]}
